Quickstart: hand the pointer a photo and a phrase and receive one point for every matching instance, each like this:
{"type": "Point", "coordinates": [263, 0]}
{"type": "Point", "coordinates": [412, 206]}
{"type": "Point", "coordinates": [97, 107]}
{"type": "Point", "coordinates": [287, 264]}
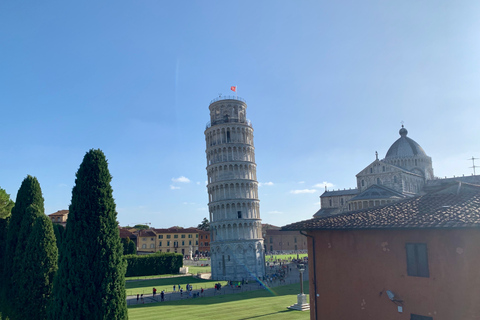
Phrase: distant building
{"type": "Point", "coordinates": [127, 233]}
{"type": "Point", "coordinates": [416, 258]}
{"type": "Point", "coordinates": [146, 241]}
{"type": "Point", "coordinates": [406, 171]}
{"type": "Point", "coordinates": [178, 240]}
{"type": "Point", "coordinates": [276, 240]}
{"type": "Point", "coordinates": [204, 242]}
{"type": "Point", "coordinates": [60, 217]}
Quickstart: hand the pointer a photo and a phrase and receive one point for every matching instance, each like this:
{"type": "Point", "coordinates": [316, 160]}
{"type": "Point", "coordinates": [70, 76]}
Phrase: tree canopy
{"type": "Point", "coordinates": [141, 226]}
{"type": "Point", "coordinates": [90, 282]}
{"type": "Point", "coordinates": [204, 225]}
{"type": "Point", "coordinates": [29, 194]}
{"type": "Point", "coordinates": [6, 204]}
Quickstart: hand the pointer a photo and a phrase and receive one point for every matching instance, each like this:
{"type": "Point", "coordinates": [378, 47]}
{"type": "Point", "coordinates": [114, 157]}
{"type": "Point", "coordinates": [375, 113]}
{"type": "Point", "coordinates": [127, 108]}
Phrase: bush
{"type": "Point", "coordinates": [153, 264]}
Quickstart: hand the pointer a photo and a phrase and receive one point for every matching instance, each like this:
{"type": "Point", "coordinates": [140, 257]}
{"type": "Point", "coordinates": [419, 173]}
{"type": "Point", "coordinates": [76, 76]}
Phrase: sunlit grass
{"type": "Point", "coordinates": [258, 304]}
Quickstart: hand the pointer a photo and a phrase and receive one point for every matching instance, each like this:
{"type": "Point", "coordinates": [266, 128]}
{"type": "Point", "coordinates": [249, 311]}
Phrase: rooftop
{"type": "Point", "coordinates": [339, 192]}
{"type": "Point", "coordinates": [59, 213]}
{"type": "Point", "coordinates": [455, 206]}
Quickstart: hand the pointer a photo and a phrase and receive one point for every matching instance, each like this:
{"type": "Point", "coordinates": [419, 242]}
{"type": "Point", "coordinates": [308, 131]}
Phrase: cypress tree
{"type": "Point", "coordinates": [132, 249]}
{"type": "Point", "coordinates": [90, 282]}
{"type": "Point", "coordinates": [39, 266]}
{"type": "Point", "coordinates": [28, 194]}
{"type": "Point", "coordinates": [59, 231]}
{"type": "Point", "coordinates": [3, 233]}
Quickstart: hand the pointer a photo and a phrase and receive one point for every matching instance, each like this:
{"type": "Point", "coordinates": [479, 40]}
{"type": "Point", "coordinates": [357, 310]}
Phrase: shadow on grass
{"type": "Point", "coordinates": [292, 289]}
{"type": "Point", "coordinates": [267, 314]}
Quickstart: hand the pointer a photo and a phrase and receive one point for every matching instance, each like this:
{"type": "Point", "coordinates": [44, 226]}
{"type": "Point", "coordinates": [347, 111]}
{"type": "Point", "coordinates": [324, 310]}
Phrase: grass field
{"type": "Point", "coordinates": [195, 270]}
{"type": "Point", "coordinates": [259, 304]}
{"type": "Point", "coordinates": [146, 286]}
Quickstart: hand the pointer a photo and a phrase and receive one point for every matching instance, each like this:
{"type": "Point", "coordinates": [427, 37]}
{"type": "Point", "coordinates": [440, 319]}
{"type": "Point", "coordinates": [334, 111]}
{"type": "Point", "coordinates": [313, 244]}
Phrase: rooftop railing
{"type": "Point", "coordinates": [228, 98]}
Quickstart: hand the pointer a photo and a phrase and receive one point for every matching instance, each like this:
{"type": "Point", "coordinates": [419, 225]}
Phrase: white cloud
{"type": "Point", "coordinates": [303, 191]}
{"type": "Point", "coordinates": [181, 179]}
{"type": "Point", "coordinates": [270, 183]}
{"type": "Point", "coordinates": [172, 187]}
{"type": "Point", "coordinates": [323, 184]}
{"type": "Point", "coordinates": [301, 182]}
{"type": "Point", "coordinates": [198, 182]}
{"type": "Point", "coordinates": [275, 212]}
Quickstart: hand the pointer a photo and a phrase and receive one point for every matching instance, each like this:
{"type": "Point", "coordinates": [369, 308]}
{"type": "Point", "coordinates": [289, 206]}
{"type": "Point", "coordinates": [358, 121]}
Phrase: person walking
{"type": "Point", "coordinates": [162, 295]}
{"type": "Point", "coordinates": [173, 288]}
{"type": "Point", "coordinates": [138, 297]}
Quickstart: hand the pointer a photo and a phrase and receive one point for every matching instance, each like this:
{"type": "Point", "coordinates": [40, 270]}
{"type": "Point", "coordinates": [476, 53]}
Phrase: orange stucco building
{"type": "Point", "coordinates": [416, 259]}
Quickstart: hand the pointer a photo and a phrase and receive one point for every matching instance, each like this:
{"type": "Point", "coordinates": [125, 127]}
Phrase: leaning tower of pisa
{"type": "Point", "coordinates": [237, 245]}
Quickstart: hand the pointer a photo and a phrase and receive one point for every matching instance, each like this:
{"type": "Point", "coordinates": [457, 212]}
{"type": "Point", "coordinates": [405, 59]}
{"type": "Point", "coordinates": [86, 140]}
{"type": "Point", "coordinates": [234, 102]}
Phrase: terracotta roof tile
{"type": "Point", "coordinates": [457, 206]}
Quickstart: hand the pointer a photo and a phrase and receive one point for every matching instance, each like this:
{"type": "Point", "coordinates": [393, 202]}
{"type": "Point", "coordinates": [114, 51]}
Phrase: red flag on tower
{"type": "Point", "coordinates": [233, 88]}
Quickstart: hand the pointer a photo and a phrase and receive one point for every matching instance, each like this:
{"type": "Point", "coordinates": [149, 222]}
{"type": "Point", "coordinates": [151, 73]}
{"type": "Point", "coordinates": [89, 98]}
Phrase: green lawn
{"type": "Point", "coordinates": [153, 277]}
{"type": "Point", "coordinates": [259, 304]}
{"type": "Point", "coordinates": [195, 270]}
{"type": "Point", "coordinates": [146, 286]}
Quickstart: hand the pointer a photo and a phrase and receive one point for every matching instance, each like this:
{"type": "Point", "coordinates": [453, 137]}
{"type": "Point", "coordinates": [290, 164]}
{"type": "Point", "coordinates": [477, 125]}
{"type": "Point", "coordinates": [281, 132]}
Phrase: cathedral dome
{"type": "Point", "coordinates": [405, 147]}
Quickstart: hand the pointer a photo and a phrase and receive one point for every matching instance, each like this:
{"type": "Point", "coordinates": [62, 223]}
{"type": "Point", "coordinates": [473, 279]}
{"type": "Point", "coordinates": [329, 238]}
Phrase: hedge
{"type": "Point", "coordinates": [153, 264]}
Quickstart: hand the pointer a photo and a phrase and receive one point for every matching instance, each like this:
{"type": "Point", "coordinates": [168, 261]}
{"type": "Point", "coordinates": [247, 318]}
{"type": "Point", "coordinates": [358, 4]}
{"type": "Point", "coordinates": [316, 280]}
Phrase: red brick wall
{"type": "Point", "coordinates": [354, 269]}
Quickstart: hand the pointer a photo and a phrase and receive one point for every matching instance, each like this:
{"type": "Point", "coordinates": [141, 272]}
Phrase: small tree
{"type": "Point", "coordinates": [59, 232]}
{"type": "Point", "coordinates": [205, 225]}
{"type": "Point", "coordinates": [6, 204]}
{"type": "Point", "coordinates": [90, 283]}
{"type": "Point", "coordinates": [28, 194]}
{"type": "Point", "coordinates": [132, 248]}
{"type": "Point", "coordinates": [125, 243]}
{"type": "Point", "coordinates": [39, 266]}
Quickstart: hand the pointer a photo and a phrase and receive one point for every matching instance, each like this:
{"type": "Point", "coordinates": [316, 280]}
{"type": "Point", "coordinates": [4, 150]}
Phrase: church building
{"type": "Point", "coordinates": [406, 171]}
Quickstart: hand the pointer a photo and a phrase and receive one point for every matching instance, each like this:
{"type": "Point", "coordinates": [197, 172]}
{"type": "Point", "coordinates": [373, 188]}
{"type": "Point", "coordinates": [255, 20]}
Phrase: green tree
{"type": "Point", "coordinates": [205, 225]}
{"type": "Point", "coordinates": [125, 242]}
{"type": "Point", "coordinates": [59, 232]}
{"type": "Point", "coordinates": [132, 248]}
{"type": "Point", "coordinates": [29, 193]}
{"type": "Point", "coordinates": [90, 282]}
{"type": "Point", "coordinates": [6, 204]}
{"type": "Point", "coordinates": [39, 266]}
{"type": "Point", "coordinates": [141, 226]}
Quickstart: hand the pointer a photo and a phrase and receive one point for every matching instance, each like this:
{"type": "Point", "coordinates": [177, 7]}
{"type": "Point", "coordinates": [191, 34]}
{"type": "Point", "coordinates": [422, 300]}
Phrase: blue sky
{"type": "Point", "coordinates": [327, 84]}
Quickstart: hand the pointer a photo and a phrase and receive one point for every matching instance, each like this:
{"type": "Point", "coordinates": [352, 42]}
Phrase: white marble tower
{"type": "Point", "coordinates": [237, 250]}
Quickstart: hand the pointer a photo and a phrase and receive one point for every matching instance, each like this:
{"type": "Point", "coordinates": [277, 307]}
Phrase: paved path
{"type": "Point", "coordinates": [291, 277]}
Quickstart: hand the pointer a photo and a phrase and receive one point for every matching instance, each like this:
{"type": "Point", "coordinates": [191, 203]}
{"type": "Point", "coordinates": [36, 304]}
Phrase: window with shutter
{"type": "Point", "coordinates": [417, 260]}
